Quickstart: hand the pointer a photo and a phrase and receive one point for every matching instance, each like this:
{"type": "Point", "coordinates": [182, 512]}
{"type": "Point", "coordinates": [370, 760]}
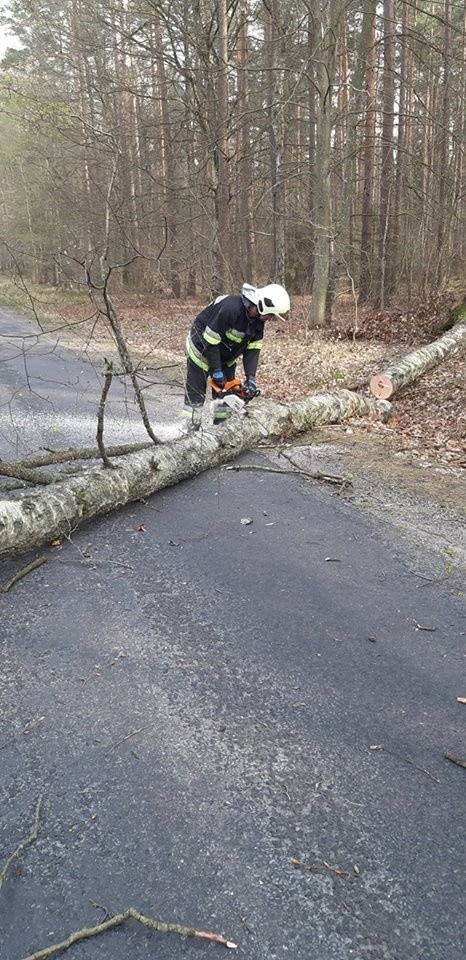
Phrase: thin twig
{"type": "Point", "coordinates": [317, 867]}
{"type": "Point", "coordinates": [405, 760]}
{"type": "Point", "coordinates": [23, 573]}
{"type": "Point", "coordinates": [296, 471]}
{"type": "Point", "coordinates": [127, 737]}
{"type": "Point", "coordinates": [125, 358]}
{"type": "Point", "coordinates": [252, 466]}
{"type": "Point", "coordinates": [459, 763]}
{"type": "Point", "coordinates": [100, 906]}
{"type": "Point", "coordinates": [24, 843]}
{"type": "Point", "coordinates": [26, 730]}
{"type": "Point", "coordinates": [75, 453]}
{"type": "Point", "coordinates": [317, 475]}
{"type": "Point", "coordinates": [30, 477]}
{"type": "Point", "coordinates": [117, 921]}
{"type": "Point", "coordinates": [287, 792]}
{"type": "Point", "coordinates": [101, 413]}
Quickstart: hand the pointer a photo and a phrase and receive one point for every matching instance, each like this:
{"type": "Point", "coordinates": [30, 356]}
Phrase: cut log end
{"type": "Point", "coordinates": [381, 386]}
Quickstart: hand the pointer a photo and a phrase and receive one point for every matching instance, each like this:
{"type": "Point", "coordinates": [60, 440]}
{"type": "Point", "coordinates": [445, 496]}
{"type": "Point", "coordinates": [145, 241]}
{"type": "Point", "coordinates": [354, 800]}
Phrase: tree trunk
{"type": "Point", "coordinates": [409, 368]}
{"type": "Point", "coordinates": [220, 279]}
{"type": "Point", "coordinates": [166, 147]}
{"type": "Point", "coordinates": [366, 280]}
{"type": "Point", "coordinates": [387, 156]}
{"type": "Point", "coordinates": [399, 220]}
{"type": "Point", "coordinates": [325, 67]}
{"type": "Point", "coordinates": [312, 110]}
{"type": "Point", "coordinates": [443, 228]}
{"type": "Point", "coordinates": [247, 265]}
{"type": "Point", "coordinates": [39, 517]}
{"type": "Point", "coordinates": [276, 131]}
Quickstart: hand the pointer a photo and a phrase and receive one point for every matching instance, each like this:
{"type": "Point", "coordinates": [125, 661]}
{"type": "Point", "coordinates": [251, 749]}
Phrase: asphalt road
{"type": "Point", "coordinates": [196, 698]}
{"type": "Point", "coordinates": [49, 395]}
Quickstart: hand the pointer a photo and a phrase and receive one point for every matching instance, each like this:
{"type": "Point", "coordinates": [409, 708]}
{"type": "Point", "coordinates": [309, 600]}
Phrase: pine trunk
{"type": "Point", "coordinates": [366, 277]}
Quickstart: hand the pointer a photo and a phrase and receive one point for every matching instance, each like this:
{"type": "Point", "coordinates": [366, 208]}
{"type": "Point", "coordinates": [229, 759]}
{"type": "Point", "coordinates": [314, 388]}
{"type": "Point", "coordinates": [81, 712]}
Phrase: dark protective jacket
{"type": "Point", "coordinates": [222, 333]}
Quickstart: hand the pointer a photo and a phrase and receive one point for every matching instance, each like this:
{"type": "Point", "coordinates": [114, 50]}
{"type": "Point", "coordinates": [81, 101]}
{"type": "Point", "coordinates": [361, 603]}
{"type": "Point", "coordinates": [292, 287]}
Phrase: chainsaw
{"type": "Point", "coordinates": [232, 388]}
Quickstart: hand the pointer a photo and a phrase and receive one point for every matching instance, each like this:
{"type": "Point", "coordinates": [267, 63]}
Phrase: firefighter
{"type": "Point", "coordinates": [228, 328]}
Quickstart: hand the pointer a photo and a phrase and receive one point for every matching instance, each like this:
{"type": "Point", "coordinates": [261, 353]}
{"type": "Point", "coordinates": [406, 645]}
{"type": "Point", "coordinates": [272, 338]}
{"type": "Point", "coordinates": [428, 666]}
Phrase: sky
{"type": "Point", "coordinates": [5, 39]}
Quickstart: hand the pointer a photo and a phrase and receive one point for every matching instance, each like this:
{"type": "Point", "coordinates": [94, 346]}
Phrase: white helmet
{"type": "Point", "coordinates": [272, 299]}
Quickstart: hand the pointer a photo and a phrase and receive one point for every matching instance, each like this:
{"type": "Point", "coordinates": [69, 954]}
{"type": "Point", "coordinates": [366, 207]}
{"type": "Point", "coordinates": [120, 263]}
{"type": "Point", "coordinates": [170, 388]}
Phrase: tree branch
{"type": "Point", "coordinates": [120, 918]}
{"type": "Point", "coordinates": [24, 843]}
{"type": "Point", "coordinates": [101, 414]}
{"type": "Point", "coordinates": [23, 573]}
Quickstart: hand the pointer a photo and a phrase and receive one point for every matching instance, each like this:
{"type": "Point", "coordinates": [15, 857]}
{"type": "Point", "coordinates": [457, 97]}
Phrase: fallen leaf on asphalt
{"type": "Point", "coordinates": [376, 746]}
{"type": "Point", "coordinates": [317, 867]}
{"type": "Point", "coordinates": [245, 521]}
{"type": "Point", "coordinates": [32, 723]}
{"type": "Point", "coordinates": [141, 528]}
{"type": "Point", "coordinates": [335, 870]}
{"type": "Point", "coordinates": [332, 560]}
{"type": "Point", "coordinates": [461, 699]}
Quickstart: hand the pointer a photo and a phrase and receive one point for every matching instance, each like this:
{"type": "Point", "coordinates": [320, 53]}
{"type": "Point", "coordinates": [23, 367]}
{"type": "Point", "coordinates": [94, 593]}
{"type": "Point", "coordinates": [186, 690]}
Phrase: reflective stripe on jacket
{"type": "Point", "coordinates": [222, 332]}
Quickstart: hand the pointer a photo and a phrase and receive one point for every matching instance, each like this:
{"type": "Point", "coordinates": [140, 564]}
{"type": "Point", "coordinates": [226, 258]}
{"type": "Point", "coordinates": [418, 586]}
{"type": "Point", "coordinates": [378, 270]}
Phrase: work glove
{"type": "Point", "coordinates": [218, 378]}
{"type": "Point", "coordinates": [250, 388]}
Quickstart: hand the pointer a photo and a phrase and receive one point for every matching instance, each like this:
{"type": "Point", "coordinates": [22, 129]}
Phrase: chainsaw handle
{"type": "Point", "coordinates": [229, 387]}
{"type": "Point", "coordinates": [232, 388]}
{"type": "Point", "coordinates": [250, 396]}
{"type": "Point", "coordinates": [215, 387]}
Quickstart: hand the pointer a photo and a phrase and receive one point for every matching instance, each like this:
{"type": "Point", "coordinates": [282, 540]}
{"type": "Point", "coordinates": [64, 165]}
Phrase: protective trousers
{"type": "Point", "coordinates": [195, 391]}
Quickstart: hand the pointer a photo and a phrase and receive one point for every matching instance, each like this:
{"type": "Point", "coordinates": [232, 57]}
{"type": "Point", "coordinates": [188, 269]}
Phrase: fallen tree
{"type": "Point", "coordinates": [400, 374]}
{"type": "Point", "coordinates": [28, 520]}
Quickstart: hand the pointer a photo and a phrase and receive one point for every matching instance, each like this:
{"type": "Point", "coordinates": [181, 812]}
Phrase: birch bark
{"type": "Point", "coordinates": [59, 509]}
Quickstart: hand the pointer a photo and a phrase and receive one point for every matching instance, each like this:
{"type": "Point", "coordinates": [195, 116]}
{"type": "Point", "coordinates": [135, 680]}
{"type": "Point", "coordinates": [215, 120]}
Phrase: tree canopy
{"type": "Point", "coordinates": [202, 144]}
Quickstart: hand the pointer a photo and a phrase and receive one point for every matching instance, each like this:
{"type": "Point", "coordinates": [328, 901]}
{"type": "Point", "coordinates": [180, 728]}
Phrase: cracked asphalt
{"type": "Point", "coordinates": [196, 699]}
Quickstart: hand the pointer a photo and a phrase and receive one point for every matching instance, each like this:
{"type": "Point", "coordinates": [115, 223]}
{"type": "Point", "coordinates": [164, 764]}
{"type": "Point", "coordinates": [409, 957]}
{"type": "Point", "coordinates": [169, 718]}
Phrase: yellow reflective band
{"type": "Point", "coordinates": [211, 336]}
{"type": "Point", "coordinates": [193, 355]}
{"type": "Point", "coordinates": [256, 345]}
{"type": "Point", "coordinates": [234, 335]}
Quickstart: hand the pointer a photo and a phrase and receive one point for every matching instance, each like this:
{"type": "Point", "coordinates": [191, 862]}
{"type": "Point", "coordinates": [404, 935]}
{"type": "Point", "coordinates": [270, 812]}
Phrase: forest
{"type": "Point", "coordinates": [186, 147]}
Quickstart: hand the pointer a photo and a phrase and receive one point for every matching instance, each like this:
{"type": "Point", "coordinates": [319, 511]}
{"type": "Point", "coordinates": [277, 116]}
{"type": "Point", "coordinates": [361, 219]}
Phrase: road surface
{"type": "Point", "coordinates": [49, 395]}
{"type": "Point", "coordinates": [236, 726]}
